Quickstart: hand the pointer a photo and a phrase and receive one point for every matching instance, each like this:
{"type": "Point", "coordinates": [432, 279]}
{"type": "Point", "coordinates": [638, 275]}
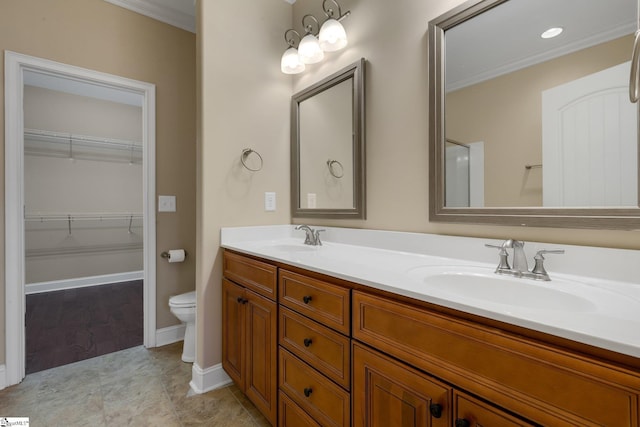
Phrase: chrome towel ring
{"type": "Point", "coordinates": [335, 172]}
{"type": "Point", "coordinates": [245, 155]}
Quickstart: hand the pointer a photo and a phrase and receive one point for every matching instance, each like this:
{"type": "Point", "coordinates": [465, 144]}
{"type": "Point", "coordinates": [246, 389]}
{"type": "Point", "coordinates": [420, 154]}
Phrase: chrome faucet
{"type": "Point", "coordinates": [312, 236]}
{"type": "Point", "coordinates": [520, 267]}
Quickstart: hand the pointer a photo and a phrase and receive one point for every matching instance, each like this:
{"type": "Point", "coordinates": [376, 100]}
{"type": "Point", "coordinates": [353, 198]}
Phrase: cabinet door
{"type": "Point", "coordinates": [389, 393]}
{"type": "Point", "coordinates": [261, 382]}
{"type": "Point", "coordinates": [233, 331]}
{"type": "Point", "coordinates": [470, 412]}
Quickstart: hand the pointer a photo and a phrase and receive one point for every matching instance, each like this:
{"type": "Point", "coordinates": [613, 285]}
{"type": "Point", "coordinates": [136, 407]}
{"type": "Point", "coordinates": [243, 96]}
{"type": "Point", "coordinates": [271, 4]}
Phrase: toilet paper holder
{"type": "Point", "coordinates": [165, 254]}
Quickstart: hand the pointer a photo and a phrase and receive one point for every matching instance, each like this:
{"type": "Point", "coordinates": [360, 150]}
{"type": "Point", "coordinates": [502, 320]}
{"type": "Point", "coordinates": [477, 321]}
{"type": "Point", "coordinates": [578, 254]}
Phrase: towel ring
{"type": "Point", "coordinates": [245, 154]}
{"type": "Point", "coordinates": [331, 165]}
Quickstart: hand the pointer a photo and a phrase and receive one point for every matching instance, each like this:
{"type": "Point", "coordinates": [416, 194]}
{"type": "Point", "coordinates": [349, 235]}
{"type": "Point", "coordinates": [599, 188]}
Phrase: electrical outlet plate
{"type": "Point", "coordinates": [166, 203]}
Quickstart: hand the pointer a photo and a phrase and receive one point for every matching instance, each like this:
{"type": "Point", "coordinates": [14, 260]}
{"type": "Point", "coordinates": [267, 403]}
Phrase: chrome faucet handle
{"type": "Point", "coordinates": [538, 269]}
{"type": "Point", "coordinates": [504, 262]}
{"type": "Point", "coordinates": [309, 234]}
{"type": "Point", "coordinates": [316, 236]}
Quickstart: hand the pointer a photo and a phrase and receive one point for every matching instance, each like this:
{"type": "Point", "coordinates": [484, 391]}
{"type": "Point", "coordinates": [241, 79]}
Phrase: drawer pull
{"type": "Point", "coordinates": [436, 410]}
{"type": "Point", "coordinates": [307, 342]}
{"type": "Point", "coordinates": [461, 422]}
{"type": "Point", "coordinates": [242, 300]}
{"type": "Point", "coordinates": [306, 299]}
{"type": "Point", "coordinates": [307, 391]}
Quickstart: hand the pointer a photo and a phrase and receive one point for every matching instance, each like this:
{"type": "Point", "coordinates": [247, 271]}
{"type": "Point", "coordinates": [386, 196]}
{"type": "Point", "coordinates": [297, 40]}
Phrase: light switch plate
{"type": "Point", "coordinates": [166, 203]}
{"type": "Point", "coordinates": [269, 201]}
{"type": "Point", "coordinates": [311, 200]}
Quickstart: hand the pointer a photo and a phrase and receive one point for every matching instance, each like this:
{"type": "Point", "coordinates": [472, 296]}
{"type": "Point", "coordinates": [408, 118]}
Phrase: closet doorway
{"type": "Point", "coordinates": [79, 206]}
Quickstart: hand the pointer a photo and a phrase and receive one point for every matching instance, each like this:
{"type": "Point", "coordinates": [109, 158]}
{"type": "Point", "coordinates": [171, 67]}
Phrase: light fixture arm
{"type": "Point", "coordinates": [289, 37]}
{"type": "Point", "coordinates": [308, 28]}
{"type": "Point", "coordinates": [330, 12]}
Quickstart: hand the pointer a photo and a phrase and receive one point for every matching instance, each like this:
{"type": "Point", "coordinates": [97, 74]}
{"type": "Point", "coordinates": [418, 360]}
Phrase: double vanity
{"type": "Point", "coordinates": [389, 328]}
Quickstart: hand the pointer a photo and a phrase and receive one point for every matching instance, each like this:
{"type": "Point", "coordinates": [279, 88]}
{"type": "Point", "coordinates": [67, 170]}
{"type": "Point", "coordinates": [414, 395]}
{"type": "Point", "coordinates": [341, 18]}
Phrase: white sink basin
{"type": "Point", "coordinates": [482, 284]}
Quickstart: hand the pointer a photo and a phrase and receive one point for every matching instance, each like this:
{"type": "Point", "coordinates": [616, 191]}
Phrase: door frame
{"type": "Point", "coordinates": [15, 300]}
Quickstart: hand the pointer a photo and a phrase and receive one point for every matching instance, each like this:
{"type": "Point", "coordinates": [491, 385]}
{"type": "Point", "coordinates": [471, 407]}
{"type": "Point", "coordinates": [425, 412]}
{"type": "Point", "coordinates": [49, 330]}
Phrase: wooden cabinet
{"type": "Point", "coordinates": [308, 350]}
{"type": "Point", "coordinates": [315, 349]}
{"type": "Point", "coordinates": [536, 381]}
{"type": "Point", "coordinates": [250, 335]}
{"type": "Point", "coordinates": [389, 393]}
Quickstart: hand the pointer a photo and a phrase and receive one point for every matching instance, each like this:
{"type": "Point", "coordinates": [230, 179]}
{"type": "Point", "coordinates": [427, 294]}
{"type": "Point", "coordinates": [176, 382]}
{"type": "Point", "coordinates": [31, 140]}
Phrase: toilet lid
{"type": "Point", "coordinates": [183, 300]}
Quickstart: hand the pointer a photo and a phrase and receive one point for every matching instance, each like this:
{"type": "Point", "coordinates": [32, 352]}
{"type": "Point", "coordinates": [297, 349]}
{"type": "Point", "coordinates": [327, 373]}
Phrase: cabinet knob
{"type": "Point", "coordinates": [307, 342]}
{"type": "Point", "coordinates": [306, 299]}
{"type": "Point", "coordinates": [461, 422]}
{"type": "Point", "coordinates": [242, 300]}
{"type": "Point", "coordinates": [307, 391]}
{"type": "Point", "coordinates": [436, 410]}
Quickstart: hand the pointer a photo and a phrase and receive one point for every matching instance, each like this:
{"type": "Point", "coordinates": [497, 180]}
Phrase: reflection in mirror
{"type": "Point", "coordinates": [327, 140]}
{"type": "Point", "coordinates": [533, 128]}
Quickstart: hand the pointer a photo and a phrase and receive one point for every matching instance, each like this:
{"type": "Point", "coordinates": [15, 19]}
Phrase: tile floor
{"type": "Point", "coordinates": [133, 387]}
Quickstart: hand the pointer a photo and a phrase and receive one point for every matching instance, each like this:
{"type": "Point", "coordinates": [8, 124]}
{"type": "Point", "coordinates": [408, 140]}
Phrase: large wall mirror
{"type": "Point", "coordinates": [327, 147]}
{"type": "Point", "coordinates": [527, 129]}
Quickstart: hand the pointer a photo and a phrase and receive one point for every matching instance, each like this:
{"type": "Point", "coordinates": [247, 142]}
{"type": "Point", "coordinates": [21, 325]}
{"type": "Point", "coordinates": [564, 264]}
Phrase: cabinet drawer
{"type": "Point", "coordinates": [324, 302]}
{"type": "Point", "coordinates": [539, 382]}
{"type": "Point", "coordinates": [325, 401]}
{"type": "Point", "coordinates": [291, 415]}
{"type": "Point", "coordinates": [255, 275]}
{"type": "Point", "coordinates": [478, 413]}
{"type": "Point", "coordinates": [321, 347]}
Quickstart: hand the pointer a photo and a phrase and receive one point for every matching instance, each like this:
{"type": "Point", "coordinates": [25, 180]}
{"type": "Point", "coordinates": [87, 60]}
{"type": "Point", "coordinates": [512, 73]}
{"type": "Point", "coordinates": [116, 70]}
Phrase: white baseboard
{"type": "Point", "coordinates": [204, 380]}
{"type": "Point", "coordinates": [170, 334]}
{"type": "Point", "coordinates": [82, 282]}
{"type": "Point", "coordinates": [3, 377]}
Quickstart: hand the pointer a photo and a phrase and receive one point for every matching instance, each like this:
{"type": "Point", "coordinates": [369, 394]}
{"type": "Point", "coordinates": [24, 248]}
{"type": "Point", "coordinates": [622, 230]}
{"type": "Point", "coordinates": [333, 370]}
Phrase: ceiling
{"type": "Point", "coordinates": [507, 37]}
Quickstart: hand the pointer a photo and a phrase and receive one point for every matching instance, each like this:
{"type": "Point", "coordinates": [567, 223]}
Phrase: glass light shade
{"type": "Point", "coordinates": [290, 63]}
{"type": "Point", "coordinates": [332, 36]}
{"type": "Point", "coordinates": [309, 50]}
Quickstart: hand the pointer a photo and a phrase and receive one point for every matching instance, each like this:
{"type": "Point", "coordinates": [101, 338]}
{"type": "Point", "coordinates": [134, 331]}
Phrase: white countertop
{"type": "Point", "coordinates": [602, 286]}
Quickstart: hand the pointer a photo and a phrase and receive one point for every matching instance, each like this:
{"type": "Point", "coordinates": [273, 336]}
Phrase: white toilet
{"type": "Point", "coordinates": [183, 306]}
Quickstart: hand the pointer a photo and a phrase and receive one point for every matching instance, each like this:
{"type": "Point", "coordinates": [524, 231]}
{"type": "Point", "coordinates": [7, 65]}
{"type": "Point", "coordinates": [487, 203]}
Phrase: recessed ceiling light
{"type": "Point", "coordinates": [551, 32]}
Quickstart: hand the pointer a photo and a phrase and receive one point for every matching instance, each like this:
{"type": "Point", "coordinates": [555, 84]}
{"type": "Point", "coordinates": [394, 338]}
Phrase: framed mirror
{"type": "Point", "coordinates": [328, 147]}
{"type": "Point", "coordinates": [530, 130]}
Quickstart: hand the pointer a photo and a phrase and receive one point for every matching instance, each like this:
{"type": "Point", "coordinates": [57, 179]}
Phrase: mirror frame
{"type": "Point", "coordinates": [356, 72]}
{"type": "Point", "coordinates": [600, 218]}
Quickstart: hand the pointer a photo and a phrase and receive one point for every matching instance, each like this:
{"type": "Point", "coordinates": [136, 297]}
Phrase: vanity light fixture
{"type": "Point", "coordinates": [290, 62]}
{"type": "Point", "coordinates": [332, 35]}
{"type": "Point", "coordinates": [552, 32]}
{"type": "Point", "coordinates": [329, 37]}
{"type": "Point", "coordinates": [309, 49]}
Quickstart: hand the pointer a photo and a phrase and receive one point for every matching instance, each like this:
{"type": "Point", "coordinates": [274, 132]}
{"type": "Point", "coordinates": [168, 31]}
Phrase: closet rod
{"type": "Point", "coordinates": [69, 137]}
{"type": "Point", "coordinates": [81, 216]}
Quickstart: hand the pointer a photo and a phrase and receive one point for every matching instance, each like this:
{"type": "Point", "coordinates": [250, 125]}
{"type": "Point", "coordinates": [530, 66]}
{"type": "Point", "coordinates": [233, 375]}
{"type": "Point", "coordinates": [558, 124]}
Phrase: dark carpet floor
{"type": "Point", "coordinates": [63, 327]}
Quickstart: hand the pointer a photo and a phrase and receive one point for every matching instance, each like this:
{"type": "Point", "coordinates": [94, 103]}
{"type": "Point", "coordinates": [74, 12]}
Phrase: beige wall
{"type": "Point", "coordinates": [249, 107]}
{"type": "Point", "coordinates": [243, 103]}
{"type": "Point", "coordinates": [100, 36]}
{"type": "Point", "coordinates": [477, 113]}
{"type": "Point", "coordinates": [392, 36]}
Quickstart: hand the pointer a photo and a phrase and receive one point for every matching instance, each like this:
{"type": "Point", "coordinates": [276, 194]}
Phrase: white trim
{"type": "Point", "coordinates": [204, 380]}
{"type": "Point", "coordinates": [3, 377]}
{"type": "Point", "coordinates": [82, 282]}
{"type": "Point", "coordinates": [160, 12]}
{"type": "Point", "coordinates": [170, 334]}
{"type": "Point", "coordinates": [15, 66]}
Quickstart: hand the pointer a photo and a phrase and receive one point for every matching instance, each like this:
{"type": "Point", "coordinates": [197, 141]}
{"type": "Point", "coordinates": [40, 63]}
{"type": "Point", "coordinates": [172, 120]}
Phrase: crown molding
{"type": "Point", "coordinates": [159, 12]}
